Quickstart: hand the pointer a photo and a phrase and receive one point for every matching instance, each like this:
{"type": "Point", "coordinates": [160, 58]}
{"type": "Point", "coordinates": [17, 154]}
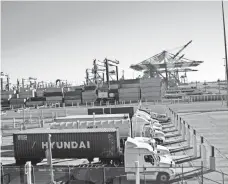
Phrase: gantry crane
{"type": "Point", "coordinates": [7, 85]}
{"type": "Point", "coordinates": [31, 80]}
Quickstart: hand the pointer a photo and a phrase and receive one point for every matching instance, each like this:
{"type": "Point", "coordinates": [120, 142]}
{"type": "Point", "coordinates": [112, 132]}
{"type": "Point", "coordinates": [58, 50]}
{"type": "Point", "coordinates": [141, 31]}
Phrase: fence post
{"type": "Point", "coordinates": [194, 143]}
{"type": "Point", "coordinates": [56, 115]}
{"type": "Point", "coordinates": [14, 123]}
{"type": "Point", "coordinates": [104, 175]}
{"type": "Point", "coordinates": [212, 158]}
{"type": "Point", "coordinates": [203, 152]}
{"type": "Point", "coordinates": [174, 119]}
{"type": "Point", "coordinates": [202, 172]}
{"type": "Point", "coordinates": [65, 112]}
{"type": "Point", "coordinates": [42, 114]}
{"type": "Point", "coordinates": [180, 125]}
{"type": "Point", "coordinates": [223, 178]}
{"type": "Point", "coordinates": [184, 130]}
{"type": "Point", "coordinates": [23, 116]}
{"type": "Point", "coordinates": [77, 104]}
{"type": "Point", "coordinates": [188, 136]}
{"type": "Point", "coordinates": [86, 104]}
{"type": "Point", "coordinates": [137, 177]}
{"type": "Point", "coordinates": [28, 166]}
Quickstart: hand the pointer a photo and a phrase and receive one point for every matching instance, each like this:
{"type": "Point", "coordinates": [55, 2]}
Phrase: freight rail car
{"type": "Point", "coordinates": [31, 145]}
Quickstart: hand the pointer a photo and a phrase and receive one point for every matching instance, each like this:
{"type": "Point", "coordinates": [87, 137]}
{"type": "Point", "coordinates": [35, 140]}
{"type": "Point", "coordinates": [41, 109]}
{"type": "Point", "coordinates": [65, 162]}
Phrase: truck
{"type": "Point", "coordinates": [160, 150]}
{"type": "Point", "coordinates": [154, 123]}
{"type": "Point", "coordinates": [143, 128]}
{"type": "Point", "coordinates": [31, 145]}
{"type": "Point", "coordinates": [138, 125]}
{"type": "Point", "coordinates": [162, 118]}
{"type": "Point", "coordinates": [148, 117]}
{"type": "Point", "coordinates": [151, 166]}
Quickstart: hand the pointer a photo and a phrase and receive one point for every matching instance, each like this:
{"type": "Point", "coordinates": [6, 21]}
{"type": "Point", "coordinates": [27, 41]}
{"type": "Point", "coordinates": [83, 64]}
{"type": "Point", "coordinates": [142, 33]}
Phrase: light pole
{"type": "Point", "coordinates": [224, 30]}
{"type": "Point", "coordinates": [219, 85]}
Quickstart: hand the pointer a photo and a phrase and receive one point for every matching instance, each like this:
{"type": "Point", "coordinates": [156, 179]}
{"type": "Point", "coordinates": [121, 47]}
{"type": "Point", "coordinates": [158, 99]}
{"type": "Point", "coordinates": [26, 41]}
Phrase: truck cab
{"type": "Point", "coordinates": [143, 128]}
{"type": "Point", "coordinates": [151, 166]}
{"type": "Point", "coordinates": [157, 135]}
{"type": "Point", "coordinates": [148, 117]}
{"type": "Point", "coordinates": [160, 150]}
{"type": "Point", "coordinates": [160, 117]}
{"type": "Point", "coordinates": [143, 120]}
{"type": "Point", "coordinates": [156, 116]}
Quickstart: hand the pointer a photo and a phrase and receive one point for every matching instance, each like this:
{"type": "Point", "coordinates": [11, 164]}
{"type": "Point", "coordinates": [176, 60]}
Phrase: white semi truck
{"type": "Point", "coordinates": [160, 150]}
{"type": "Point", "coordinates": [141, 127]}
{"type": "Point", "coordinates": [151, 166]}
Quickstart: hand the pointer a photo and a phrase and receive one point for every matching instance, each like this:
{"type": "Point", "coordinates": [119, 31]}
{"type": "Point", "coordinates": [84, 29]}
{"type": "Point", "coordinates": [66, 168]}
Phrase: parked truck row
{"type": "Point", "coordinates": [116, 139]}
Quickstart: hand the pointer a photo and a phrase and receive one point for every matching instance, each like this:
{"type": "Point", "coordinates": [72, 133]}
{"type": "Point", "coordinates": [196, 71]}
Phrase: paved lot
{"type": "Point", "coordinates": [212, 125]}
{"type": "Point", "coordinates": [210, 120]}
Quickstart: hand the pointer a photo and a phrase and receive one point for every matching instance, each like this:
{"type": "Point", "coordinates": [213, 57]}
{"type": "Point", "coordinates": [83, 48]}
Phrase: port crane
{"type": "Point", "coordinates": [31, 80]}
{"type": "Point", "coordinates": [61, 82]}
{"type": "Point", "coordinates": [7, 83]}
{"type": "Point", "coordinates": [167, 66]}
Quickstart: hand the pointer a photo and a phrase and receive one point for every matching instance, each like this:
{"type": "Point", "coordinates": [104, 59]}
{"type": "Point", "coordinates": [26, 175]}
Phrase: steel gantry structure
{"type": "Point", "coordinates": [167, 65]}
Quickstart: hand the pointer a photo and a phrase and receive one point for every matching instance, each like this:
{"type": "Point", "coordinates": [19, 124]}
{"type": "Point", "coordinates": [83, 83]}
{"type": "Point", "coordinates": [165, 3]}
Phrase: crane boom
{"type": "Point", "coordinates": [181, 49]}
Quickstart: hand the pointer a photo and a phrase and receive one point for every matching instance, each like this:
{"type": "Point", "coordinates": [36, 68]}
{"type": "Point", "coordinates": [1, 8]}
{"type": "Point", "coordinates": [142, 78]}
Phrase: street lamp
{"type": "Point", "coordinates": [205, 85]}
{"type": "Point", "coordinates": [219, 85]}
{"type": "Point", "coordinates": [224, 30]}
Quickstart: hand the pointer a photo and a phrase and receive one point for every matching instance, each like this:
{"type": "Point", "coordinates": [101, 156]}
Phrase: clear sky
{"type": "Point", "coordinates": [51, 40]}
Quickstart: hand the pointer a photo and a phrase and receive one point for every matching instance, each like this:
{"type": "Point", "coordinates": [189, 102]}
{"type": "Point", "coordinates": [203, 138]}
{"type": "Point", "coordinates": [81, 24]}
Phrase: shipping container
{"type": "Point", "coordinates": [8, 92]}
{"type": "Point", "coordinates": [96, 117]}
{"type": "Point", "coordinates": [37, 99]}
{"type": "Point", "coordinates": [30, 145]}
{"type": "Point", "coordinates": [72, 97]}
{"type": "Point", "coordinates": [70, 102]}
{"type": "Point", "coordinates": [54, 98]}
{"type": "Point", "coordinates": [51, 94]}
{"type": "Point", "coordinates": [123, 125]}
{"type": "Point", "coordinates": [90, 88]}
{"type": "Point", "coordinates": [51, 90]}
{"type": "Point", "coordinates": [112, 110]}
{"type": "Point", "coordinates": [14, 101]}
{"type": "Point", "coordinates": [34, 103]}
{"type": "Point", "coordinates": [73, 93]}
{"type": "Point", "coordinates": [129, 90]}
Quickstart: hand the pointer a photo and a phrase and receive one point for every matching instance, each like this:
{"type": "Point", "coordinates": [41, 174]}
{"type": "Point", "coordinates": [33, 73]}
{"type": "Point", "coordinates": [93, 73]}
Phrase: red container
{"type": "Point", "coordinates": [30, 145]}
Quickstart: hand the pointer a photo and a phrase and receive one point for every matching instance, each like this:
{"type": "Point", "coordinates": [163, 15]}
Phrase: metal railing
{"type": "Point", "coordinates": [110, 175]}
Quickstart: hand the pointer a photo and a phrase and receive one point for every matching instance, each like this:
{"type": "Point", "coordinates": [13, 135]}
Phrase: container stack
{"type": "Point", "coordinates": [35, 101]}
{"type": "Point", "coordinates": [17, 102]}
{"type": "Point", "coordinates": [151, 89]}
{"type": "Point", "coordinates": [27, 93]}
{"type": "Point", "coordinates": [73, 97]}
{"type": "Point", "coordinates": [40, 92]}
{"type": "Point", "coordinates": [54, 95]}
{"type": "Point", "coordinates": [5, 97]}
{"type": "Point", "coordinates": [129, 91]}
{"type": "Point", "coordinates": [89, 95]}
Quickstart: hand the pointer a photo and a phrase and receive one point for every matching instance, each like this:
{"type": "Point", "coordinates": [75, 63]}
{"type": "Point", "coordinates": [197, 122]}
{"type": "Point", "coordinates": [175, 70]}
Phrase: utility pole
{"type": "Point", "coordinates": [224, 29]}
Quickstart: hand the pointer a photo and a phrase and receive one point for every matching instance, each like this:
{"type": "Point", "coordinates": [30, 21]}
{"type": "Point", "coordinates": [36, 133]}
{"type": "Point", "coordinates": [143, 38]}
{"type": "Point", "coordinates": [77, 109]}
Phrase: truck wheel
{"type": "Point", "coordinates": [116, 163]}
{"type": "Point", "coordinates": [163, 178]}
{"type": "Point", "coordinates": [20, 162]}
{"type": "Point", "coordinates": [90, 160]}
{"type": "Point", "coordinates": [35, 161]}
